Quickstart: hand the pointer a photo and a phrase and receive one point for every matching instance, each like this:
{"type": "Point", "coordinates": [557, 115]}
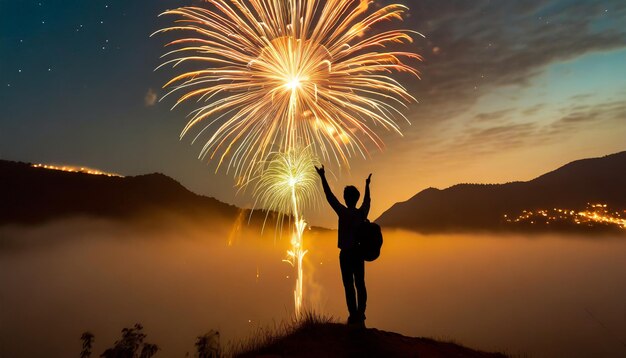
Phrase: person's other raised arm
{"type": "Point", "coordinates": [332, 199]}
{"type": "Point", "coordinates": [365, 206]}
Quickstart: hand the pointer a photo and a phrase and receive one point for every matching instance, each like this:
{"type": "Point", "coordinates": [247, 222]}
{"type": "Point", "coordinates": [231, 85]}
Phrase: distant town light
{"type": "Point", "coordinates": [593, 215]}
{"type": "Point", "coordinates": [71, 169]}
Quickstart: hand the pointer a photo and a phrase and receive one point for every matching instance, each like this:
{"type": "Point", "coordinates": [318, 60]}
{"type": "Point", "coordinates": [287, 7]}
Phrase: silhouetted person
{"type": "Point", "coordinates": [350, 260]}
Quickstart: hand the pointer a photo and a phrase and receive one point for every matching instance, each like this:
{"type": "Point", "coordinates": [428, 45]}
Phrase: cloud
{"type": "Point", "coordinates": [150, 98]}
{"type": "Point", "coordinates": [478, 48]}
{"type": "Point", "coordinates": [491, 139]}
{"type": "Point", "coordinates": [530, 111]}
{"type": "Point", "coordinates": [482, 138]}
{"type": "Point", "coordinates": [589, 115]}
{"type": "Point", "coordinates": [483, 45]}
{"type": "Point", "coordinates": [493, 116]}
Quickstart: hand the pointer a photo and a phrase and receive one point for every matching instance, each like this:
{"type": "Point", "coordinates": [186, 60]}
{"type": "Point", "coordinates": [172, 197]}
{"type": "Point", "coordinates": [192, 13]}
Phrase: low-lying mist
{"type": "Point", "coordinates": [546, 296]}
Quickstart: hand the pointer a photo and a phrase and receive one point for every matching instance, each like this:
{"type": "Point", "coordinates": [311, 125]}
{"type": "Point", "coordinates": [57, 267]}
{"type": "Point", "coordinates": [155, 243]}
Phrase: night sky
{"type": "Point", "coordinates": [510, 90]}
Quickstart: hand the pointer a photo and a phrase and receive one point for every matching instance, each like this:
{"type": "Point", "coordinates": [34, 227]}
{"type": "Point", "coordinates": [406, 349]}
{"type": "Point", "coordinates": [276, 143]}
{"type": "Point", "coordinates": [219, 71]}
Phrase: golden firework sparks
{"type": "Point", "coordinates": [289, 183]}
{"type": "Point", "coordinates": [270, 74]}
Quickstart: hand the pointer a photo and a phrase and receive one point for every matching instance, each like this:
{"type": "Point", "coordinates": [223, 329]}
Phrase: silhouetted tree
{"type": "Point", "coordinates": [87, 338]}
{"type": "Point", "coordinates": [131, 345]}
{"type": "Point", "coordinates": [208, 345]}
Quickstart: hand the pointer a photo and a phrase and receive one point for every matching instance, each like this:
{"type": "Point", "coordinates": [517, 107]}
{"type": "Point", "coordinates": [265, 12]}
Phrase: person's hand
{"type": "Point", "coordinates": [320, 171]}
{"type": "Point", "coordinates": [368, 180]}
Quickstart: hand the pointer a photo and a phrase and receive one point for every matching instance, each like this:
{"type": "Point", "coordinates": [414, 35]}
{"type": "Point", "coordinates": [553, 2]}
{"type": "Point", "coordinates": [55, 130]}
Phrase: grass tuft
{"type": "Point", "coordinates": [267, 336]}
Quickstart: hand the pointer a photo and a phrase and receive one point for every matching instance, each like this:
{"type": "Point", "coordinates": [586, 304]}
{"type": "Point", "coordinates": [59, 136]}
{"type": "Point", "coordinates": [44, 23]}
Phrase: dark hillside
{"type": "Point", "coordinates": [31, 195]}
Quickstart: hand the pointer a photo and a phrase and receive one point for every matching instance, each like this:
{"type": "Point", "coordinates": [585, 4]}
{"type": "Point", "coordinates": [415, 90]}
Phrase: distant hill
{"type": "Point", "coordinates": [466, 207]}
{"type": "Point", "coordinates": [32, 195]}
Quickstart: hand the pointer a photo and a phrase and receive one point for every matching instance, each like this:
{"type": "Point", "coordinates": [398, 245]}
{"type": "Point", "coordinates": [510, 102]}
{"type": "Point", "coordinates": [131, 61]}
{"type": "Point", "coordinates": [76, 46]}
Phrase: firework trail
{"type": "Point", "coordinates": [287, 185]}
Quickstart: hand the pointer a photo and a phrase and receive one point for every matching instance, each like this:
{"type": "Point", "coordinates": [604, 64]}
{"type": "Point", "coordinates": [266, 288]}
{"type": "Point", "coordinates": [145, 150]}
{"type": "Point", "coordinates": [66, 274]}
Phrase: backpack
{"type": "Point", "coordinates": [369, 240]}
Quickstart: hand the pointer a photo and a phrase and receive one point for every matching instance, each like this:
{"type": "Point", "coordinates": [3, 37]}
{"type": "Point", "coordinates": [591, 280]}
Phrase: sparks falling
{"type": "Point", "coordinates": [270, 74]}
{"type": "Point", "coordinates": [287, 186]}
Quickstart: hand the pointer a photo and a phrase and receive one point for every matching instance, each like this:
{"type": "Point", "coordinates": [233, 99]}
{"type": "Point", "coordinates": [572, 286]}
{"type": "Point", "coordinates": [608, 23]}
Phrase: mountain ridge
{"type": "Point", "coordinates": [464, 207]}
{"type": "Point", "coordinates": [32, 195]}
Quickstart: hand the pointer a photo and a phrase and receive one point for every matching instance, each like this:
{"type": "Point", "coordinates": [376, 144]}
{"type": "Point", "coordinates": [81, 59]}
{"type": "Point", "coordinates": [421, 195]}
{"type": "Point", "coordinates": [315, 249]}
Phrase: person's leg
{"type": "Point", "coordinates": [359, 281]}
{"type": "Point", "coordinates": [347, 276]}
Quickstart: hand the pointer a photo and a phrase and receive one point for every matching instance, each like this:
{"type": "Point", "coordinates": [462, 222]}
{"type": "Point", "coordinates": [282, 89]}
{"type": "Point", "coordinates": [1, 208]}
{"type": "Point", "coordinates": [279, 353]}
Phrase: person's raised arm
{"type": "Point", "coordinates": [332, 199]}
{"type": "Point", "coordinates": [365, 206]}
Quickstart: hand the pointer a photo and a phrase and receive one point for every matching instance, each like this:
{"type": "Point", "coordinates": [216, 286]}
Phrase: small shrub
{"type": "Point", "coordinates": [87, 338]}
{"type": "Point", "coordinates": [131, 345]}
{"type": "Point", "coordinates": [208, 345]}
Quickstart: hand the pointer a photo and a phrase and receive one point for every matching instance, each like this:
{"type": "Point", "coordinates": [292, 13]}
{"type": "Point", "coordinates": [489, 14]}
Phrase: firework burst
{"type": "Point", "coordinates": [273, 73]}
{"type": "Point", "coordinates": [289, 184]}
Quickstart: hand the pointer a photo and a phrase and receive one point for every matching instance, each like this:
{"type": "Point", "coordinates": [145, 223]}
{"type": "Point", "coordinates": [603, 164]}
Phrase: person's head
{"type": "Point", "coordinates": [351, 196]}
